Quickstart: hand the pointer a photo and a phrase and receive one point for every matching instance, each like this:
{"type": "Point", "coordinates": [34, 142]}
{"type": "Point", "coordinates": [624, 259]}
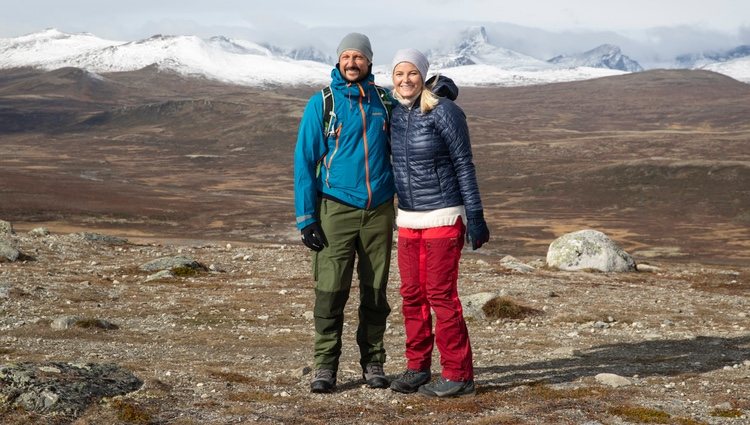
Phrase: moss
{"type": "Point", "coordinates": [688, 421]}
{"type": "Point", "coordinates": [233, 377]}
{"type": "Point", "coordinates": [131, 412]}
{"type": "Point", "coordinates": [506, 308]}
{"type": "Point", "coordinates": [184, 271]}
{"type": "Point", "coordinates": [727, 413]}
{"type": "Point", "coordinates": [640, 414]}
{"type": "Point", "coordinates": [89, 323]}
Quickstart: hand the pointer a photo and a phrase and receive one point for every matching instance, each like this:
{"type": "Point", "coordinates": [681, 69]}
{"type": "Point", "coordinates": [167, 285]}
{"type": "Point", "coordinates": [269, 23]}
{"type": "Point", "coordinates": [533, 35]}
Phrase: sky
{"type": "Point", "coordinates": [541, 27]}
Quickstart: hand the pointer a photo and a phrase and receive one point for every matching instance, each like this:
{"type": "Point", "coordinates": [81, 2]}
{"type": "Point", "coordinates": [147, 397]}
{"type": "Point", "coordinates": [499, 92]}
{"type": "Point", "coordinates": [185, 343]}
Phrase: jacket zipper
{"type": "Point", "coordinates": [330, 161]}
{"type": "Point", "coordinates": [406, 149]}
{"type": "Point", "coordinates": [364, 139]}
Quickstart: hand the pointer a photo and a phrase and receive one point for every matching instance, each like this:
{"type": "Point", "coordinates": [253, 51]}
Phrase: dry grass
{"type": "Point", "coordinates": [640, 414]}
{"type": "Point", "coordinates": [506, 308]}
{"type": "Point", "coordinates": [130, 412]}
{"type": "Point", "coordinates": [727, 413]}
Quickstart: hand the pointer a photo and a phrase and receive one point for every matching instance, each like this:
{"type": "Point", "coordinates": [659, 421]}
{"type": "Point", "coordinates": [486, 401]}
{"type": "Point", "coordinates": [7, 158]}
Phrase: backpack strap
{"type": "Point", "coordinates": [385, 100]}
{"type": "Point", "coordinates": [328, 110]}
{"type": "Point", "coordinates": [328, 114]}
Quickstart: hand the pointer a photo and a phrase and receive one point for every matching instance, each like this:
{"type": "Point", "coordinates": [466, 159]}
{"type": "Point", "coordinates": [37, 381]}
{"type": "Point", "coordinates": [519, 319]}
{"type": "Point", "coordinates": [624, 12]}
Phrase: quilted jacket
{"type": "Point", "coordinates": [432, 159]}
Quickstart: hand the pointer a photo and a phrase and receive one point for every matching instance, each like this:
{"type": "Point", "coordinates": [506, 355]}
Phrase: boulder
{"type": "Point", "coordinates": [472, 304]}
{"type": "Point", "coordinates": [39, 232]}
{"type": "Point", "coordinates": [612, 380]}
{"type": "Point", "coordinates": [105, 239]}
{"type": "Point", "coordinates": [171, 263]}
{"type": "Point", "coordinates": [61, 388]}
{"type": "Point", "coordinates": [6, 228]}
{"type": "Point", "coordinates": [7, 252]}
{"type": "Point", "coordinates": [512, 263]}
{"type": "Point", "coordinates": [587, 250]}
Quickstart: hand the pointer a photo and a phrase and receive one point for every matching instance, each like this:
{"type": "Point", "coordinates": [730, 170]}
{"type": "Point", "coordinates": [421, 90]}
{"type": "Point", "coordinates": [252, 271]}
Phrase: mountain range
{"type": "Point", "coordinates": [473, 60]}
{"type": "Point", "coordinates": [604, 56]}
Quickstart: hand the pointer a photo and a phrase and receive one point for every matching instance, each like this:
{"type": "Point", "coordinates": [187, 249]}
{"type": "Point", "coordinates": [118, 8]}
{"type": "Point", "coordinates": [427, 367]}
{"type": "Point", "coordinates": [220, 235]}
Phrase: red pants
{"type": "Point", "coordinates": [428, 263]}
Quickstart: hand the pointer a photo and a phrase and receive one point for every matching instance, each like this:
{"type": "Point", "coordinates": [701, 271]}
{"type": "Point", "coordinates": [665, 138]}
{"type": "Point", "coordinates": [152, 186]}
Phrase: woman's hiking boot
{"type": "Point", "coordinates": [410, 381]}
{"type": "Point", "coordinates": [446, 388]}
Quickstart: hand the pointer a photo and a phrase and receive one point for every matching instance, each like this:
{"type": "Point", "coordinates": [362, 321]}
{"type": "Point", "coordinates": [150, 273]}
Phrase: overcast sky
{"type": "Point", "coordinates": [669, 25]}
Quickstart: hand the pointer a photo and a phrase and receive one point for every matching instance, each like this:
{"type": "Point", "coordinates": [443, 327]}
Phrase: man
{"type": "Point", "coordinates": [344, 206]}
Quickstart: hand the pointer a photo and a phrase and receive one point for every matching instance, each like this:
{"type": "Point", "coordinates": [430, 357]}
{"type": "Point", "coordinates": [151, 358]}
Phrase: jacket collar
{"type": "Point", "coordinates": [351, 89]}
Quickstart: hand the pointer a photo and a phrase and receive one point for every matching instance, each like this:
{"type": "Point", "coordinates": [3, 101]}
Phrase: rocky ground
{"type": "Point", "coordinates": [231, 343]}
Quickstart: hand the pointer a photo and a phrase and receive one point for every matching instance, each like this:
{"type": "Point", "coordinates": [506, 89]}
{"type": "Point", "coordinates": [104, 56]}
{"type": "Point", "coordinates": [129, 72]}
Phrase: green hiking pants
{"type": "Point", "coordinates": [367, 236]}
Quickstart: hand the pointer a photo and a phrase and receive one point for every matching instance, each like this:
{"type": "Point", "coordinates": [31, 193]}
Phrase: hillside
{"type": "Point", "coordinates": [658, 158]}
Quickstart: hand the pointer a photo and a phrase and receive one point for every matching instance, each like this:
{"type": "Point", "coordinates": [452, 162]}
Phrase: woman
{"type": "Point", "coordinates": [437, 194]}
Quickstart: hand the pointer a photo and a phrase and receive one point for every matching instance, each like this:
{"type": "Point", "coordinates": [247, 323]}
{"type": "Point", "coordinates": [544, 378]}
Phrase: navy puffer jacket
{"type": "Point", "coordinates": [432, 160]}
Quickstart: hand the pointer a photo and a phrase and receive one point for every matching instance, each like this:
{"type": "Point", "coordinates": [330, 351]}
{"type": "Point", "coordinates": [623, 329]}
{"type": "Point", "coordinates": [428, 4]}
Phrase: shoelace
{"type": "Point", "coordinates": [324, 374]}
{"type": "Point", "coordinates": [411, 373]}
{"type": "Point", "coordinates": [375, 369]}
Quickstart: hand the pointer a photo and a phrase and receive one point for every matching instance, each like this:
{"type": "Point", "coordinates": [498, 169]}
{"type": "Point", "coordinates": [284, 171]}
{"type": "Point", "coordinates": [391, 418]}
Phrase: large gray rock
{"type": "Point", "coordinates": [588, 249]}
{"type": "Point", "coordinates": [62, 388]}
{"type": "Point", "coordinates": [7, 252]}
{"type": "Point", "coordinates": [105, 239]}
{"type": "Point", "coordinates": [171, 263]}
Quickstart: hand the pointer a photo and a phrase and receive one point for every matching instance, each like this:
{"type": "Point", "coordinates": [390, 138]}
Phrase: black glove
{"type": "Point", "coordinates": [477, 232]}
{"type": "Point", "coordinates": [313, 237]}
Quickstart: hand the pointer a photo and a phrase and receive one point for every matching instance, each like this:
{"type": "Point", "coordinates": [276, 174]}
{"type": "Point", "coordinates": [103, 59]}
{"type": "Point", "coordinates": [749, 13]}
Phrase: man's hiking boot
{"type": "Point", "coordinates": [374, 375]}
{"type": "Point", "coordinates": [323, 381]}
{"type": "Point", "coordinates": [410, 381]}
{"type": "Point", "coordinates": [445, 388]}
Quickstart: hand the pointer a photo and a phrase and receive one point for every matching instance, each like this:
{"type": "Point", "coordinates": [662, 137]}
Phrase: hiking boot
{"type": "Point", "coordinates": [323, 381]}
{"type": "Point", "coordinates": [374, 375]}
{"type": "Point", "coordinates": [410, 381]}
{"type": "Point", "coordinates": [445, 388]}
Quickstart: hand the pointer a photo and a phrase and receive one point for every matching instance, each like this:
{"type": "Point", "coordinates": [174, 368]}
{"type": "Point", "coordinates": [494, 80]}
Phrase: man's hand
{"type": "Point", "coordinates": [313, 237]}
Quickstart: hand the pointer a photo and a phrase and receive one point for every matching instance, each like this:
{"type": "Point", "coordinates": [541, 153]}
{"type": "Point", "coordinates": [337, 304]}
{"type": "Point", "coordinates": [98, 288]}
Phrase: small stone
{"type": "Point", "coordinates": [39, 232]}
{"type": "Point", "coordinates": [612, 380]}
{"type": "Point", "coordinates": [309, 315]}
{"type": "Point", "coordinates": [164, 274]}
{"type": "Point", "coordinates": [64, 322]}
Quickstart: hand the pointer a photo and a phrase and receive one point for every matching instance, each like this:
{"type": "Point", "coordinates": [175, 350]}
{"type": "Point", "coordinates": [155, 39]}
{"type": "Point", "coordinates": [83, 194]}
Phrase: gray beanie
{"type": "Point", "coordinates": [355, 41]}
{"type": "Point", "coordinates": [414, 57]}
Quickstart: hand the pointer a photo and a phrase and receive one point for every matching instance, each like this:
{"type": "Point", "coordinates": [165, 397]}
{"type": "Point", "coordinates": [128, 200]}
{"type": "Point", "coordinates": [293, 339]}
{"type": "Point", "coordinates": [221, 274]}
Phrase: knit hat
{"type": "Point", "coordinates": [355, 41]}
{"type": "Point", "coordinates": [414, 57]}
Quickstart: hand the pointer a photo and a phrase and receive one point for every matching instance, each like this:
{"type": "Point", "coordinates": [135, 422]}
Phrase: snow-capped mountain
{"type": "Point", "coordinates": [219, 58]}
{"type": "Point", "coordinates": [474, 48]}
{"type": "Point", "coordinates": [697, 60]}
{"type": "Point", "coordinates": [472, 61]}
{"type": "Point", "coordinates": [48, 46]}
{"type": "Point", "coordinates": [738, 68]}
{"type": "Point", "coordinates": [475, 61]}
{"type": "Point", "coordinates": [308, 53]}
{"type": "Point", "coordinates": [604, 56]}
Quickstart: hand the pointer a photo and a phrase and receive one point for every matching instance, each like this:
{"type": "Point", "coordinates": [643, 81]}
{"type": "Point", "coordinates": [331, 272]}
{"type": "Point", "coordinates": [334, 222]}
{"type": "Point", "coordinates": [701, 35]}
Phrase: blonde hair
{"type": "Point", "coordinates": [428, 99]}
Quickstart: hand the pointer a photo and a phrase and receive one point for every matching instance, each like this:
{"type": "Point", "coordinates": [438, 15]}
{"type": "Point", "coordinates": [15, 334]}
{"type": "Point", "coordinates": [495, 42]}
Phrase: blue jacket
{"type": "Point", "coordinates": [354, 155]}
{"type": "Point", "coordinates": [432, 159]}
